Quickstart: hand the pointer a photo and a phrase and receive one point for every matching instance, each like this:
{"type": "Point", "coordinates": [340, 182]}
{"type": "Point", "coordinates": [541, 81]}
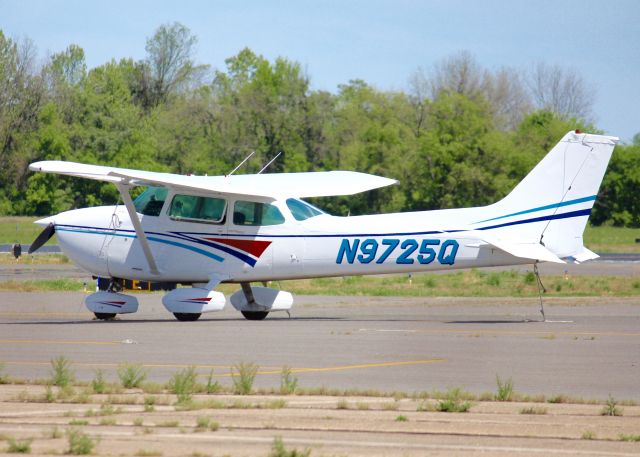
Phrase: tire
{"type": "Point", "coordinates": [254, 315]}
{"type": "Point", "coordinates": [105, 316]}
{"type": "Point", "coordinates": [187, 317]}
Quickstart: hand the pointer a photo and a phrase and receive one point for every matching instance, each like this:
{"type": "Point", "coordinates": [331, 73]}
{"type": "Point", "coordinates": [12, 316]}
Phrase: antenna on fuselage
{"type": "Point", "coordinates": [241, 163]}
{"type": "Point", "coordinates": [270, 162]}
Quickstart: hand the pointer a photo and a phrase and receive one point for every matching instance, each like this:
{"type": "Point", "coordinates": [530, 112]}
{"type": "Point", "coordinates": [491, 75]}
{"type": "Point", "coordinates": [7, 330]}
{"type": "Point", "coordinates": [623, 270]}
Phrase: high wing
{"type": "Point", "coordinates": [274, 185]}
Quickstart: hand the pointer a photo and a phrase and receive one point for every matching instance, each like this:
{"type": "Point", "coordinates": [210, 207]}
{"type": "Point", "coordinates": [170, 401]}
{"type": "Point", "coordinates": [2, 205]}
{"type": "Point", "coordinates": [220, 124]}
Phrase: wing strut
{"type": "Point", "coordinates": [135, 220]}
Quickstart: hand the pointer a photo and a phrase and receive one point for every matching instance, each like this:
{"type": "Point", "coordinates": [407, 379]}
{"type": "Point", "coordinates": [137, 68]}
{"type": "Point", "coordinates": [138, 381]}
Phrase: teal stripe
{"type": "Point", "coordinates": [150, 238]}
{"type": "Point", "coordinates": [541, 208]}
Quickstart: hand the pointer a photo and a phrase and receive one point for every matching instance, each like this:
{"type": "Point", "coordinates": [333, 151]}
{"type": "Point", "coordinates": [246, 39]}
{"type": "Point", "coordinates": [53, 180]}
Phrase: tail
{"type": "Point", "coordinates": [551, 205]}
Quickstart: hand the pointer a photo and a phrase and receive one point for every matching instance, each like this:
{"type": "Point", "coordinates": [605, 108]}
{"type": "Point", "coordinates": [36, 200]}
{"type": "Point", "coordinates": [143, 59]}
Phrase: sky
{"type": "Point", "coordinates": [381, 42]}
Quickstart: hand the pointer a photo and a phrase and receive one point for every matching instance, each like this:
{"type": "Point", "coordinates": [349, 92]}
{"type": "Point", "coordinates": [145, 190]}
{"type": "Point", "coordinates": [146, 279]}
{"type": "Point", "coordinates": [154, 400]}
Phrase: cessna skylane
{"type": "Point", "coordinates": [200, 231]}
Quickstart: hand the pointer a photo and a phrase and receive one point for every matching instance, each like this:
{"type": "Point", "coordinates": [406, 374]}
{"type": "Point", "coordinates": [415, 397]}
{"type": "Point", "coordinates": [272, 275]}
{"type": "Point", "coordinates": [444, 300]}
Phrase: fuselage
{"type": "Point", "coordinates": [194, 237]}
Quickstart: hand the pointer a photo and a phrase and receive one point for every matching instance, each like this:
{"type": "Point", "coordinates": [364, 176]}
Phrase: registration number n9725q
{"type": "Point", "coordinates": [424, 251]}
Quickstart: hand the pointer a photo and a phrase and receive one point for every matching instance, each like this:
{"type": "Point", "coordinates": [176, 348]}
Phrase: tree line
{"type": "Point", "coordinates": [459, 135]}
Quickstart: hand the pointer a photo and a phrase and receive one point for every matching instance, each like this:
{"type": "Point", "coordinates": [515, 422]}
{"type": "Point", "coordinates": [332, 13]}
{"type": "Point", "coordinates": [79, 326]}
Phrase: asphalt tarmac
{"type": "Point", "coordinates": [589, 348]}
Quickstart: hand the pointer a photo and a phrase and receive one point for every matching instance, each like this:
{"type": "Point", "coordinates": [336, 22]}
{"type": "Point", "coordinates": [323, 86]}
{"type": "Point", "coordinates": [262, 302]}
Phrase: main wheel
{"type": "Point", "coordinates": [187, 317]}
{"type": "Point", "coordinates": [105, 316]}
{"type": "Point", "coordinates": [254, 315]}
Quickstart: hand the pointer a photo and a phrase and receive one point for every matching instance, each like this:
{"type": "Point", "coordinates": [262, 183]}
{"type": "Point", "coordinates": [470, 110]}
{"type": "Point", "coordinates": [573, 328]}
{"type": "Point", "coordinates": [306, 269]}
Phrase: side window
{"type": "Point", "coordinates": [302, 210]}
{"type": "Point", "coordinates": [255, 213]}
{"type": "Point", "coordinates": [193, 208]}
{"type": "Point", "coordinates": [150, 201]}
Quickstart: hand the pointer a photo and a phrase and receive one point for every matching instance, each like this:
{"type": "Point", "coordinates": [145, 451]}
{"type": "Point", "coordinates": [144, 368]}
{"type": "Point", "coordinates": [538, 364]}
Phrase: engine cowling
{"type": "Point", "coordinates": [266, 299]}
{"type": "Point", "coordinates": [193, 300]}
{"type": "Point", "coordinates": [111, 303]}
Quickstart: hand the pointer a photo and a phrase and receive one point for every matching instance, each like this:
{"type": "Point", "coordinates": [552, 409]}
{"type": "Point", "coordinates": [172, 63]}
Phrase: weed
{"type": "Point", "coordinates": [505, 389]}
{"type": "Point", "coordinates": [4, 378]}
{"type": "Point", "coordinates": [278, 403]}
{"type": "Point", "coordinates": [630, 438]}
{"type": "Point", "coordinates": [342, 404]}
{"type": "Point", "coordinates": [55, 433]}
{"type": "Point", "coordinates": [183, 384]}
{"type": "Point", "coordinates": [529, 277]}
{"type": "Point", "coordinates": [61, 373]}
{"type": "Point", "coordinates": [402, 418]}
{"type": "Point", "coordinates": [78, 422]}
{"type": "Point", "coordinates": [362, 406]}
{"type": "Point", "coordinates": [243, 375]}
{"type": "Point", "coordinates": [611, 408]}
{"type": "Point", "coordinates": [108, 421]}
{"type": "Point", "coordinates": [214, 426]}
{"type": "Point", "coordinates": [212, 386]}
{"type": "Point", "coordinates": [131, 375]}
{"type": "Point", "coordinates": [148, 453]}
{"type": "Point", "coordinates": [390, 406]}
{"type": "Point", "coordinates": [19, 447]}
{"type": "Point", "coordinates": [453, 402]}
{"type": "Point", "coordinates": [202, 423]}
{"type": "Point", "coordinates": [558, 399]}
{"type": "Point", "coordinates": [152, 388]}
{"type": "Point", "coordinates": [534, 410]}
{"type": "Point", "coordinates": [99, 384]}
{"type": "Point", "coordinates": [171, 423]}
{"type": "Point", "coordinates": [278, 450]}
{"type": "Point", "coordinates": [149, 402]}
{"type": "Point", "coordinates": [138, 421]}
{"type": "Point", "coordinates": [588, 435]}
{"type": "Point", "coordinates": [49, 396]}
{"type": "Point", "coordinates": [288, 382]}
{"type": "Point", "coordinates": [79, 443]}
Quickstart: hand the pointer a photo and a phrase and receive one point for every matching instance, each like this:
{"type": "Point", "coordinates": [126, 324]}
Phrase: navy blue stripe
{"type": "Point", "coordinates": [582, 212]}
{"type": "Point", "coordinates": [541, 208]}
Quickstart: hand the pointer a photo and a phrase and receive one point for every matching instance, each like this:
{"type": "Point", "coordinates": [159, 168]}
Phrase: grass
{"type": "Point", "coordinates": [243, 376]}
{"type": "Point", "coordinates": [588, 435]}
{"type": "Point", "coordinates": [147, 453]}
{"type": "Point", "coordinates": [19, 446]}
{"type": "Point", "coordinates": [536, 410]}
{"type": "Point", "coordinates": [131, 375]}
{"type": "Point", "coordinates": [20, 229]}
{"type": "Point", "coordinates": [630, 438]}
{"type": "Point", "coordinates": [99, 384]}
{"type": "Point", "coordinates": [183, 384]}
{"type": "Point", "coordinates": [611, 408]}
{"type": "Point", "coordinates": [42, 285]}
{"type": "Point", "coordinates": [278, 449]}
{"type": "Point", "coordinates": [79, 443]}
{"type": "Point", "coordinates": [61, 374]}
{"type": "Point", "coordinates": [4, 378]}
{"type": "Point", "coordinates": [288, 382]}
{"type": "Point", "coordinates": [402, 418]}
{"type": "Point", "coordinates": [612, 239]}
{"type": "Point", "coordinates": [454, 402]}
{"type": "Point", "coordinates": [505, 389]}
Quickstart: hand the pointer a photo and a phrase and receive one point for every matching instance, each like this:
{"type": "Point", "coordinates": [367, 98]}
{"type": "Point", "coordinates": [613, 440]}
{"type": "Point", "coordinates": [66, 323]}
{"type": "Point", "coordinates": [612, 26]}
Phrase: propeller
{"type": "Point", "coordinates": [44, 236]}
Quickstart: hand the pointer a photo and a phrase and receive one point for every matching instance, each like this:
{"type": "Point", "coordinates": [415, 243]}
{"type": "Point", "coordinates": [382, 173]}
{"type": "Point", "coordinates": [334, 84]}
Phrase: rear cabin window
{"type": "Point", "coordinates": [150, 201]}
{"type": "Point", "coordinates": [256, 213]}
{"type": "Point", "coordinates": [302, 210]}
{"type": "Point", "coordinates": [191, 208]}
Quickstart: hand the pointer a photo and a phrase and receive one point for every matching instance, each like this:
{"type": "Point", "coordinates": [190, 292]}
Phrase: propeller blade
{"type": "Point", "coordinates": [44, 236]}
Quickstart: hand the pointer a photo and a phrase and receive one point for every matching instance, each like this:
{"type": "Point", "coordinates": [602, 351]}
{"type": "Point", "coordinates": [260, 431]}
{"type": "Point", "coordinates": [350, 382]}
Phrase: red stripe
{"type": "Point", "coordinates": [253, 247]}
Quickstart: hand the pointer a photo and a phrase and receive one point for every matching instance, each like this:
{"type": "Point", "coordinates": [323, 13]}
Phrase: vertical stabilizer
{"type": "Point", "coordinates": [553, 202]}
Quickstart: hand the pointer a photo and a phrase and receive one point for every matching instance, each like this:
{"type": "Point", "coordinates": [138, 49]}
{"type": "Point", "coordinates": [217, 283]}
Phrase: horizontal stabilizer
{"type": "Point", "coordinates": [271, 185]}
{"type": "Point", "coordinates": [585, 255]}
{"type": "Point", "coordinates": [531, 250]}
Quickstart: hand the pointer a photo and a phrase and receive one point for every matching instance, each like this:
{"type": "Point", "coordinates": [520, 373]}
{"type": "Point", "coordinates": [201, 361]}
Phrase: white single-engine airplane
{"type": "Point", "coordinates": [201, 231]}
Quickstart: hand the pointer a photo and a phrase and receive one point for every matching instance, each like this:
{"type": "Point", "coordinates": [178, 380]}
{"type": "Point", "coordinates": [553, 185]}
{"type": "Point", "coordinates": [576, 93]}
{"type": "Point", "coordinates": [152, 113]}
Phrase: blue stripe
{"type": "Point", "coordinates": [541, 208]}
{"type": "Point", "coordinates": [108, 232]}
{"type": "Point", "coordinates": [582, 212]}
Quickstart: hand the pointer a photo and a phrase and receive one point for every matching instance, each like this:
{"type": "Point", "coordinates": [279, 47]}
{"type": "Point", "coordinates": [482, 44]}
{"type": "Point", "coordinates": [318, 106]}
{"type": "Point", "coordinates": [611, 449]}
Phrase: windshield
{"type": "Point", "coordinates": [150, 201]}
{"type": "Point", "coordinates": [302, 210]}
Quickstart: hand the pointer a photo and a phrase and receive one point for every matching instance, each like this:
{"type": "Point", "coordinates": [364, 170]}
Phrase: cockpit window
{"type": "Point", "coordinates": [256, 213]}
{"type": "Point", "coordinates": [150, 201]}
{"type": "Point", "coordinates": [302, 210]}
{"type": "Point", "coordinates": [191, 208]}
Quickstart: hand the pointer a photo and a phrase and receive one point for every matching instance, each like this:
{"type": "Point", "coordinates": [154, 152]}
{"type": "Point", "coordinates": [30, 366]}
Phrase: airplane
{"type": "Point", "coordinates": [201, 231]}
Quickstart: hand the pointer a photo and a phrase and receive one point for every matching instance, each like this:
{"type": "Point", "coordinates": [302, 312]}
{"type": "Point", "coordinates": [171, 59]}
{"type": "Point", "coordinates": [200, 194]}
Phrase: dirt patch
{"type": "Point", "coordinates": [367, 426]}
